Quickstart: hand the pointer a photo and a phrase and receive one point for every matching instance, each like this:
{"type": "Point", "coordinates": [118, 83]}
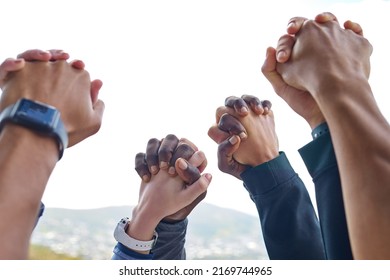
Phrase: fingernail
{"type": "Point", "coordinates": [172, 170]}
{"type": "Point", "coordinates": [44, 52]}
{"type": "Point", "coordinates": [208, 176]}
{"type": "Point", "coordinates": [163, 165]}
{"type": "Point", "coordinates": [182, 164]}
{"type": "Point", "coordinates": [243, 135]}
{"type": "Point", "coordinates": [290, 24]}
{"type": "Point", "coordinates": [233, 140]}
{"type": "Point", "coordinates": [281, 55]}
{"type": "Point", "coordinates": [63, 53]}
{"type": "Point", "coordinates": [154, 169]}
{"type": "Point", "coordinates": [145, 178]}
{"type": "Point", "coordinates": [19, 60]}
{"type": "Point", "coordinates": [195, 157]}
{"type": "Point", "coordinates": [244, 110]}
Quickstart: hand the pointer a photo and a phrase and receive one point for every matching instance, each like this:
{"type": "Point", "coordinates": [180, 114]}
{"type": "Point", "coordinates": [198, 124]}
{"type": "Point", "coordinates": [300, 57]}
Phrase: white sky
{"type": "Point", "coordinates": [166, 67]}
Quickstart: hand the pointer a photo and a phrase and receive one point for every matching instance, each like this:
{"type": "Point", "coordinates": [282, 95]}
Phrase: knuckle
{"type": "Point", "coordinates": [172, 137]}
{"type": "Point", "coordinates": [151, 158]}
{"type": "Point", "coordinates": [165, 152]}
{"type": "Point", "coordinates": [139, 159]}
{"type": "Point", "coordinates": [153, 141]}
{"type": "Point", "coordinates": [221, 110]}
{"type": "Point", "coordinates": [185, 149]}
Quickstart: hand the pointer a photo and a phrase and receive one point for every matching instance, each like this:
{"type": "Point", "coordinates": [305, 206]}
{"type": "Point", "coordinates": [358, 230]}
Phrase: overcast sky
{"type": "Point", "coordinates": [166, 67]}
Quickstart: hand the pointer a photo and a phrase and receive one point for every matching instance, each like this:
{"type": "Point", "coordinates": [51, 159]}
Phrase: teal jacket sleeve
{"type": "Point", "coordinates": [288, 220]}
{"type": "Point", "coordinates": [320, 160]}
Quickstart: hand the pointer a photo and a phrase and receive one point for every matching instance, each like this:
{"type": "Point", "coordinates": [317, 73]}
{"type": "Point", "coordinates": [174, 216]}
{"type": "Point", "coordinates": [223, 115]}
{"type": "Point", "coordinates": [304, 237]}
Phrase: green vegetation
{"type": "Point", "coordinates": [38, 252]}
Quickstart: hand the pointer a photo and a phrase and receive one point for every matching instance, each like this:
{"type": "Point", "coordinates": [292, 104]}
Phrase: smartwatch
{"type": "Point", "coordinates": [39, 117]}
{"type": "Point", "coordinates": [122, 237]}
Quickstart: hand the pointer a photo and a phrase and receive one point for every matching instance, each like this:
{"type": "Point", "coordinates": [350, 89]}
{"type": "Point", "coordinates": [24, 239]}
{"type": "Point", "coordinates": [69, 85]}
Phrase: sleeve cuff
{"type": "Point", "coordinates": [320, 130]}
{"type": "Point", "coordinates": [121, 252]}
{"type": "Point", "coordinates": [263, 178]}
{"type": "Point", "coordinates": [318, 155]}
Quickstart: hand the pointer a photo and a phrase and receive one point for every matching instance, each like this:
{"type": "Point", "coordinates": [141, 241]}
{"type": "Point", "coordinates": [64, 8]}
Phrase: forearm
{"type": "Point", "coordinates": [170, 241]}
{"type": "Point", "coordinates": [169, 246]}
{"type": "Point", "coordinates": [360, 135]}
{"type": "Point", "coordinates": [290, 227]}
{"type": "Point", "coordinates": [26, 162]}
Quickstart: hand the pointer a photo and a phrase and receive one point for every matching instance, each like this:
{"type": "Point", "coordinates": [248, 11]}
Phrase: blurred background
{"type": "Point", "coordinates": [166, 66]}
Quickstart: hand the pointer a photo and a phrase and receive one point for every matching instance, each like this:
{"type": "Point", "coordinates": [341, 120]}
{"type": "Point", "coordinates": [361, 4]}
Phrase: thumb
{"type": "Point", "coordinates": [96, 85]}
{"type": "Point", "coordinates": [99, 107]}
{"type": "Point", "coordinates": [216, 134]}
{"type": "Point", "coordinates": [187, 172]}
{"type": "Point", "coordinates": [10, 65]}
{"type": "Point", "coordinates": [197, 188]}
{"type": "Point", "coordinates": [269, 71]}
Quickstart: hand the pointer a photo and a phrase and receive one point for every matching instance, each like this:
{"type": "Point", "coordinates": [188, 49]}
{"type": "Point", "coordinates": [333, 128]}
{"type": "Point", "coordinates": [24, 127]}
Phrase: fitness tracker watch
{"type": "Point", "coordinates": [122, 237]}
{"type": "Point", "coordinates": [39, 117]}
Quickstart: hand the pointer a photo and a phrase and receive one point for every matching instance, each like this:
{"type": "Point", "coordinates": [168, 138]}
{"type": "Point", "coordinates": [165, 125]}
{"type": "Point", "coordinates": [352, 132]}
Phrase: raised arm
{"type": "Point", "coordinates": [288, 220]}
{"type": "Point", "coordinates": [319, 154]}
{"type": "Point", "coordinates": [28, 155]}
{"type": "Point", "coordinates": [358, 128]}
{"type": "Point", "coordinates": [167, 196]}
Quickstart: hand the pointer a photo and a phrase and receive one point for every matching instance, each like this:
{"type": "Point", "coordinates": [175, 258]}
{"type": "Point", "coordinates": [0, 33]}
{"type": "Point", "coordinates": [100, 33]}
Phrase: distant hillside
{"type": "Point", "coordinates": [213, 233]}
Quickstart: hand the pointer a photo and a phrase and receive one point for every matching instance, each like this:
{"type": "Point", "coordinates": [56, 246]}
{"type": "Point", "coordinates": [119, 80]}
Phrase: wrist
{"type": "Point", "coordinates": [136, 245]}
{"type": "Point", "coordinates": [23, 145]}
{"type": "Point", "coordinates": [265, 156]}
{"type": "Point", "coordinates": [338, 86]}
{"type": "Point", "coordinates": [39, 117]}
{"type": "Point", "coordinates": [347, 101]}
{"type": "Point", "coordinates": [316, 120]}
{"type": "Point", "coordinates": [142, 227]}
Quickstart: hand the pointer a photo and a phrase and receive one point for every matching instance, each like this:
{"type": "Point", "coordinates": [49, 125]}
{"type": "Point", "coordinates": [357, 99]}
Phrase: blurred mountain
{"type": "Point", "coordinates": [213, 233]}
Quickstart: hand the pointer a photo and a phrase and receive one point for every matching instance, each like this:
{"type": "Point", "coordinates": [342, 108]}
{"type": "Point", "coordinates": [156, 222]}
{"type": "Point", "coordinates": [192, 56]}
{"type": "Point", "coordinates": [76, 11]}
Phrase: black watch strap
{"type": "Point", "coordinates": [38, 117]}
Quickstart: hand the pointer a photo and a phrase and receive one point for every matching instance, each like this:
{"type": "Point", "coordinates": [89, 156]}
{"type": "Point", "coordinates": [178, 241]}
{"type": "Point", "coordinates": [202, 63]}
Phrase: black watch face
{"type": "Point", "coordinates": [40, 116]}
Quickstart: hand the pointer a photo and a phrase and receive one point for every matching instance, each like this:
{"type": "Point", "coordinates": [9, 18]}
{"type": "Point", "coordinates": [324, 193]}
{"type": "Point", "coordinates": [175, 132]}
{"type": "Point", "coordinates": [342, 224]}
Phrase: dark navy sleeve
{"type": "Point", "coordinates": [320, 160]}
{"type": "Point", "coordinates": [289, 223]}
{"type": "Point", "coordinates": [171, 241]}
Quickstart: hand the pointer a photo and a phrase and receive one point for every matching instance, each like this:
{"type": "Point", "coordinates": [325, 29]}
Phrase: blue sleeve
{"type": "Point", "coordinates": [289, 223]}
{"type": "Point", "coordinates": [169, 246]}
{"type": "Point", "coordinates": [40, 213]}
{"type": "Point", "coordinates": [121, 252]}
{"type": "Point", "coordinates": [320, 160]}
